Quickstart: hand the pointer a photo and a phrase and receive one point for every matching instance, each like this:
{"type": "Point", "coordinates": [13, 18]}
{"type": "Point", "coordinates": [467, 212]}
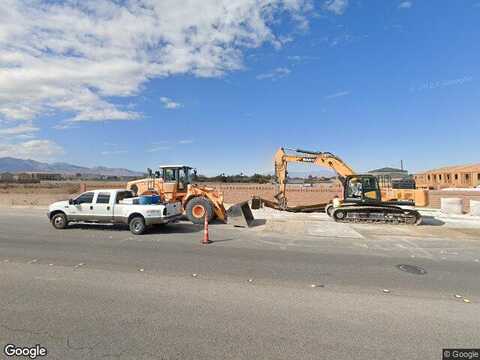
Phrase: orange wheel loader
{"type": "Point", "coordinates": [174, 183]}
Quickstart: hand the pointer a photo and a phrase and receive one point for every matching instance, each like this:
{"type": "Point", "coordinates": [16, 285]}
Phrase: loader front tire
{"type": "Point", "coordinates": [197, 208]}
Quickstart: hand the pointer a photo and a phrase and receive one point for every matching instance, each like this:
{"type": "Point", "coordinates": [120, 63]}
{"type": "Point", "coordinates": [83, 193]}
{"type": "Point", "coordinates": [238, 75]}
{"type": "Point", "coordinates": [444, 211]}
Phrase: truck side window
{"type": "Point", "coordinates": [85, 198]}
{"type": "Point", "coordinates": [103, 198]}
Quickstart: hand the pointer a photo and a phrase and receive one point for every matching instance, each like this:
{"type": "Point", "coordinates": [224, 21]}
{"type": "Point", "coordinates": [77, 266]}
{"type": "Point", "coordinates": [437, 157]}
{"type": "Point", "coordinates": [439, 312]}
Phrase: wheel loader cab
{"type": "Point", "coordinates": [362, 189]}
{"type": "Point", "coordinates": [177, 176]}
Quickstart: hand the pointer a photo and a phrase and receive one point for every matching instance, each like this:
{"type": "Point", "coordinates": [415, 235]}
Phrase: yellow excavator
{"type": "Point", "coordinates": [362, 196]}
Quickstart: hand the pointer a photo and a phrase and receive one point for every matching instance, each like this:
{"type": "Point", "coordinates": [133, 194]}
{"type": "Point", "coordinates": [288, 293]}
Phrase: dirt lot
{"type": "Point", "coordinates": [45, 193]}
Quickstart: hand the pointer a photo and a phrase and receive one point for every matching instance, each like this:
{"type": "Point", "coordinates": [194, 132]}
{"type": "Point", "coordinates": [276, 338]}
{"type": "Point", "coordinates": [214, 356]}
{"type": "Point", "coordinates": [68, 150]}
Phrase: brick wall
{"type": "Point", "coordinates": [436, 196]}
{"type": "Point", "coordinates": [233, 193]}
{"type": "Point", "coordinates": [297, 195]}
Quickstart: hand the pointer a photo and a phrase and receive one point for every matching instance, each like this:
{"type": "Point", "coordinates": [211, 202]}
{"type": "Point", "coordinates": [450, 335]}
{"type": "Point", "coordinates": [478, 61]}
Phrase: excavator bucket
{"type": "Point", "coordinates": [240, 215]}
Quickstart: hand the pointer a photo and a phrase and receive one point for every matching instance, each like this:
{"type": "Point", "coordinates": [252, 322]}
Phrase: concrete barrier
{"type": "Point", "coordinates": [475, 207]}
{"type": "Point", "coordinates": [452, 206]}
{"type": "Point", "coordinates": [435, 197]}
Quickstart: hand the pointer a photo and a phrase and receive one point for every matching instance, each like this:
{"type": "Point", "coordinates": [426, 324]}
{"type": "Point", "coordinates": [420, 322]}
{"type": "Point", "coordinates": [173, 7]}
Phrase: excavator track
{"type": "Point", "coordinates": [391, 215]}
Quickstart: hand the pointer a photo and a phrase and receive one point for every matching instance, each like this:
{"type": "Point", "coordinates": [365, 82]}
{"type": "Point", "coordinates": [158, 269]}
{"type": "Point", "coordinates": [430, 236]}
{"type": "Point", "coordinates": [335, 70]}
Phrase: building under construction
{"type": "Point", "coordinates": [463, 176]}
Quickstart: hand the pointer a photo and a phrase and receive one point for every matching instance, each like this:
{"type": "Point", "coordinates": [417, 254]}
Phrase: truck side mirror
{"type": "Point", "coordinates": [70, 201]}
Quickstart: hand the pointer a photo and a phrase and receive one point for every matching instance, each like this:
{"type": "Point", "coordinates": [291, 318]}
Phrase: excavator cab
{"type": "Point", "coordinates": [361, 189]}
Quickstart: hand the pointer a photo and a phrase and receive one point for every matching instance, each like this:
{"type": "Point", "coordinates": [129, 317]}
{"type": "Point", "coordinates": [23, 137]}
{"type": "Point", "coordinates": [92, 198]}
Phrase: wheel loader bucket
{"type": "Point", "coordinates": [240, 215]}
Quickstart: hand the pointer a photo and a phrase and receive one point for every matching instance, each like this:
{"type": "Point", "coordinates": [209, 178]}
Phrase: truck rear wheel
{"type": "Point", "coordinates": [137, 225]}
{"type": "Point", "coordinates": [59, 221]}
{"type": "Point", "coordinates": [197, 208]}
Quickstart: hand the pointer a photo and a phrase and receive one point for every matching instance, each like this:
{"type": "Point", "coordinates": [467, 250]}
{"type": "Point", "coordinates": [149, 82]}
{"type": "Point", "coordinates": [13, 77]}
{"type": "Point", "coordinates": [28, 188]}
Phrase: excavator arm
{"type": "Point", "coordinates": [323, 159]}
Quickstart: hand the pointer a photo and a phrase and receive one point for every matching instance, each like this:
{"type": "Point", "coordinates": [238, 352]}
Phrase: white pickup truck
{"type": "Point", "coordinates": [107, 206]}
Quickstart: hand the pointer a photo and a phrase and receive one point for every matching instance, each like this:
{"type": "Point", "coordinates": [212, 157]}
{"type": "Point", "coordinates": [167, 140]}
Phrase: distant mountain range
{"type": "Point", "coordinates": [13, 165]}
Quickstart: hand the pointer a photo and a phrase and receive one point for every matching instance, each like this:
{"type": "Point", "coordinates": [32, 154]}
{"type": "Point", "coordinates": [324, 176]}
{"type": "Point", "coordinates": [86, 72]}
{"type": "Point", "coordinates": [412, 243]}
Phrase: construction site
{"type": "Point", "coordinates": [239, 180]}
{"type": "Point", "coordinates": [386, 195]}
{"type": "Point", "coordinates": [271, 260]}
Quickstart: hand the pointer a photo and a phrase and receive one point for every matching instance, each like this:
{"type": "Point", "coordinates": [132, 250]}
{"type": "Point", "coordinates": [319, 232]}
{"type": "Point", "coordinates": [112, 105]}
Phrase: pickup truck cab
{"type": "Point", "coordinates": [108, 206]}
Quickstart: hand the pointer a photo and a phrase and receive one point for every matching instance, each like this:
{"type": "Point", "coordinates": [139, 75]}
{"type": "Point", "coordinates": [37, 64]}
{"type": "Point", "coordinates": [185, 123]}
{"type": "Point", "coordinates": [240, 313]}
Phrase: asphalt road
{"type": "Point", "coordinates": [100, 292]}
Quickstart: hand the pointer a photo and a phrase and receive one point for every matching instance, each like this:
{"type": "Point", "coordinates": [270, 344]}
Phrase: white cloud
{"type": "Point", "coordinates": [275, 74]}
{"type": "Point", "coordinates": [33, 149]}
{"type": "Point", "coordinates": [169, 103]}
{"type": "Point", "coordinates": [158, 148]}
{"type": "Point", "coordinates": [302, 58]}
{"type": "Point", "coordinates": [338, 7]}
{"type": "Point", "coordinates": [167, 144]}
{"type": "Point", "coordinates": [22, 129]}
{"type": "Point", "coordinates": [114, 152]}
{"type": "Point", "coordinates": [405, 5]}
{"type": "Point", "coordinates": [337, 95]}
{"type": "Point", "coordinates": [79, 57]}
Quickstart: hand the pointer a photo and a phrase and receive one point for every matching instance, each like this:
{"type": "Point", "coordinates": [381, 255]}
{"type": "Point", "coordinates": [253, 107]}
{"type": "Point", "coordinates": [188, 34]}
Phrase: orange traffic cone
{"type": "Point", "coordinates": [206, 239]}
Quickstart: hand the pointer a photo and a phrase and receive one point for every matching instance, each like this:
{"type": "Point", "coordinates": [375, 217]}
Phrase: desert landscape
{"type": "Point", "coordinates": [44, 193]}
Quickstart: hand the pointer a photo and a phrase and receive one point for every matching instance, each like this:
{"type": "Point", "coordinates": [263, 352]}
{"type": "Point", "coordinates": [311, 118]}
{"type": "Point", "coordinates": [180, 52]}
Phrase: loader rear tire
{"type": "Point", "coordinates": [197, 208]}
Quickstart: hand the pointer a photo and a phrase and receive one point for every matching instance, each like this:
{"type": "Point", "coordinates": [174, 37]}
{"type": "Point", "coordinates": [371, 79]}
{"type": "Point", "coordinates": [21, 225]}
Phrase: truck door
{"type": "Point", "coordinates": [83, 206]}
{"type": "Point", "coordinates": [102, 209]}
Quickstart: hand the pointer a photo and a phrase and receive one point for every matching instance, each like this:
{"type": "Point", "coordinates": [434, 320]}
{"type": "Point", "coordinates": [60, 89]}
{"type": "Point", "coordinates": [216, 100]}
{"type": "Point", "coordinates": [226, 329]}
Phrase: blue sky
{"type": "Point", "coordinates": [372, 81]}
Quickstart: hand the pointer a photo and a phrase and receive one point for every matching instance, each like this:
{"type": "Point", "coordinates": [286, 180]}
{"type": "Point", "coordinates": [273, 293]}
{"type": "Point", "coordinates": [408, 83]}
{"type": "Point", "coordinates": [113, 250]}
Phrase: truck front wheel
{"type": "Point", "coordinates": [197, 208]}
{"type": "Point", "coordinates": [137, 225]}
{"type": "Point", "coordinates": [59, 221]}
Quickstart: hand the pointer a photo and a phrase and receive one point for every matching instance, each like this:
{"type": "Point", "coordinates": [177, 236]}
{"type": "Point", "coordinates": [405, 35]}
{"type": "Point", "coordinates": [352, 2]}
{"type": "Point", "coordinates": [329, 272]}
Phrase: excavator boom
{"type": "Point", "coordinates": [323, 159]}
